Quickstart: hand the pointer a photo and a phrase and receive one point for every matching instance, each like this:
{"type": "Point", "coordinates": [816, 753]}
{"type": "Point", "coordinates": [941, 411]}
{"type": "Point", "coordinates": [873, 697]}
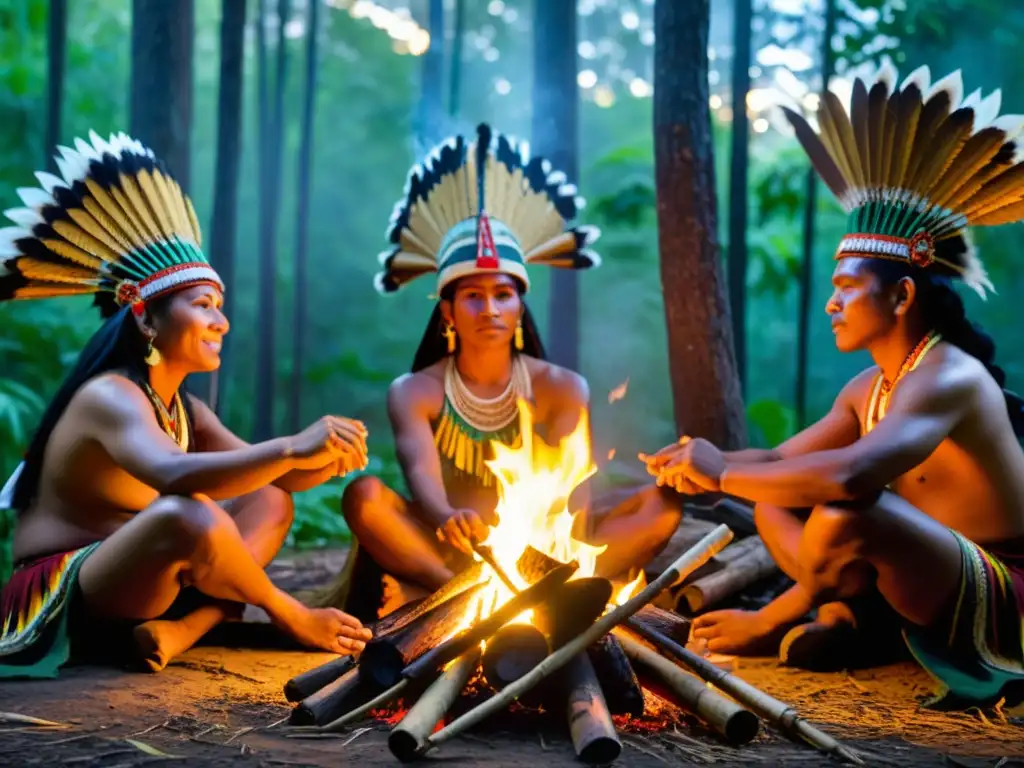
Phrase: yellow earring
{"type": "Point", "coordinates": [449, 334]}
{"type": "Point", "coordinates": [519, 335]}
{"type": "Point", "coordinates": [153, 356]}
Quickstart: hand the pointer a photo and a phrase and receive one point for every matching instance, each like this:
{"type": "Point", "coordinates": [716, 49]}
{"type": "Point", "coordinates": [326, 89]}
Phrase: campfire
{"type": "Point", "coordinates": [529, 624]}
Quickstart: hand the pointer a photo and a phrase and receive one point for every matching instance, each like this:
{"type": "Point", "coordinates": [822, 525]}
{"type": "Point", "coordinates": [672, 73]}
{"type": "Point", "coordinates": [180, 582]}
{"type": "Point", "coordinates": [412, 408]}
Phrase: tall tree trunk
{"type": "Point", "coordinates": [302, 216]}
{"type": "Point", "coordinates": [224, 225]}
{"type": "Point", "coordinates": [56, 44]}
{"type": "Point", "coordinates": [161, 81]}
{"type": "Point", "coordinates": [431, 104]}
{"type": "Point", "coordinates": [455, 73]}
{"type": "Point", "coordinates": [272, 131]}
{"type": "Point", "coordinates": [739, 165]}
{"type": "Point", "coordinates": [807, 271]}
{"type": "Point", "coordinates": [705, 386]}
{"type": "Point", "coordinates": [554, 131]}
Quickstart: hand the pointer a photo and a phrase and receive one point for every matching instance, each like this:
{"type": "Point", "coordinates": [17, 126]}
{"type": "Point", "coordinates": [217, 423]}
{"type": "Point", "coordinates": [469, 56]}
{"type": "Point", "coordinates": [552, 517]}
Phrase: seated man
{"type": "Point", "coordinates": [913, 484]}
{"type": "Point", "coordinates": [115, 498]}
{"type": "Point", "coordinates": [479, 355]}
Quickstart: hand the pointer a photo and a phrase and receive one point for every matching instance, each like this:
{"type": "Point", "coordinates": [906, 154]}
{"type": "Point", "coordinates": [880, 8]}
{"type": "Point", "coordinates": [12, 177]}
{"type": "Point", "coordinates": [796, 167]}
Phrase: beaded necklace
{"type": "Point", "coordinates": [878, 402]}
{"type": "Point", "coordinates": [469, 423]}
{"type": "Point", "coordinates": [176, 425]}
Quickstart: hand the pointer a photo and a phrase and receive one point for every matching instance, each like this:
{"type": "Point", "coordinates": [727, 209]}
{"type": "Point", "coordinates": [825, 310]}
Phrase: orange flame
{"type": "Point", "coordinates": [535, 480]}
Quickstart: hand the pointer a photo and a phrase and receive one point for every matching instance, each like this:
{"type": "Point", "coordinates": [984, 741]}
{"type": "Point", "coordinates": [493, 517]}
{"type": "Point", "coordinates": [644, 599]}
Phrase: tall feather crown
{"type": "Point", "coordinates": [484, 207]}
{"type": "Point", "coordinates": [915, 165]}
{"type": "Point", "coordinates": [115, 224]}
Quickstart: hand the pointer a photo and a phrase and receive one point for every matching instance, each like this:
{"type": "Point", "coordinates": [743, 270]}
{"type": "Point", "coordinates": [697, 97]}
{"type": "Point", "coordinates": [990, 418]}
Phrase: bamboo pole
{"type": "Point", "coordinates": [752, 566]}
{"type": "Point", "coordinates": [782, 716]}
{"type": "Point", "coordinates": [590, 722]}
{"type": "Point", "coordinates": [661, 676]}
{"type": "Point", "coordinates": [409, 735]}
{"type": "Point", "coordinates": [689, 561]}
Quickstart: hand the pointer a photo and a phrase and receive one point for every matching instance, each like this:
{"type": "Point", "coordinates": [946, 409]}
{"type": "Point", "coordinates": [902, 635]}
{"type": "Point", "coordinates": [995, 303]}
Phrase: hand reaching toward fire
{"type": "Point", "coordinates": [691, 466]}
{"type": "Point", "coordinates": [464, 527]}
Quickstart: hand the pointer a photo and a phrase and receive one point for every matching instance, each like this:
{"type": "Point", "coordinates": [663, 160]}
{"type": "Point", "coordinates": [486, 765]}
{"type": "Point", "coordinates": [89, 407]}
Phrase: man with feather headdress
{"type": "Point", "coordinates": [479, 215]}
{"type": "Point", "coordinates": [909, 493]}
{"type": "Point", "coordinates": [117, 525]}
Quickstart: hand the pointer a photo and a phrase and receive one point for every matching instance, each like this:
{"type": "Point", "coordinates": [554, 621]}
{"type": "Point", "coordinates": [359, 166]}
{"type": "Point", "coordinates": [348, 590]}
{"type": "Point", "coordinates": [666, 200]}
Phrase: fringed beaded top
{"type": "Point", "coordinates": [468, 423]}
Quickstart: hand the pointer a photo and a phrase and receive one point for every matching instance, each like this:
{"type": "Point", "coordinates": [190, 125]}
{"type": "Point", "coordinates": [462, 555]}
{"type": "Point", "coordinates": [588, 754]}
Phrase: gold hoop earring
{"type": "Point", "coordinates": [519, 335]}
{"type": "Point", "coordinates": [153, 356]}
{"type": "Point", "coordinates": [449, 334]}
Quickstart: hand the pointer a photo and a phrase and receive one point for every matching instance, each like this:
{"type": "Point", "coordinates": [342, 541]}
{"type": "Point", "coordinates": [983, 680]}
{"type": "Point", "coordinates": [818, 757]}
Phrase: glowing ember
{"type": "Point", "coordinates": [619, 392]}
{"type": "Point", "coordinates": [611, 454]}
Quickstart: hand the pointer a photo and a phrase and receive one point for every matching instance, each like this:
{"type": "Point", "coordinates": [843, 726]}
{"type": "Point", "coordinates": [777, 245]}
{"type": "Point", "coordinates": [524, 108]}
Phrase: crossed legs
{"type": "Point", "coordinates": [138, 572]}
{"type": "Point", "coordinates": [837, 553]}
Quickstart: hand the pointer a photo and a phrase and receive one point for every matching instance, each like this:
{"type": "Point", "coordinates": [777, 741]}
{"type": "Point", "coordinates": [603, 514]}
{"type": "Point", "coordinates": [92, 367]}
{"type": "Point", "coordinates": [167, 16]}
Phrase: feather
{"type": "Point", "coordinates": [24, 217]}
{"type": "Point", "coordinates": [979, 149]}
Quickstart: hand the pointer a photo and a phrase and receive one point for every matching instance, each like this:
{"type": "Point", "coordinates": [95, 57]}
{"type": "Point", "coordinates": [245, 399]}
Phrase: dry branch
{"type": "Point", "coordinates": [305, 685]}
{"type": "Point", "coordinates": [750, 567]}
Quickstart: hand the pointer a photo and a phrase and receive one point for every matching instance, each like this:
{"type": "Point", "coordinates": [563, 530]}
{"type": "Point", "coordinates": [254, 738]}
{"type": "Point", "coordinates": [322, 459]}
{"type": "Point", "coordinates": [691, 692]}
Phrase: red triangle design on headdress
{"type": "Point", "coordinates": [486, 253]}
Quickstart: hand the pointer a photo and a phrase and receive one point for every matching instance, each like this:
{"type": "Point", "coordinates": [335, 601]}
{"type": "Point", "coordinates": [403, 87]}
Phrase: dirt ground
{"type": "Point", "coordinates": [217, 706]}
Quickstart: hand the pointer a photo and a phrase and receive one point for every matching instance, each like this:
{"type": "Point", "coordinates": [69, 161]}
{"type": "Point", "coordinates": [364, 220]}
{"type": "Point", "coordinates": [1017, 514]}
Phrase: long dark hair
{"type": "Point", "coordinates": [943, 310]}
{"type": "Point", "coordinates": [116, 345]}
{"type": "Point", "coordinates": [433, 346]}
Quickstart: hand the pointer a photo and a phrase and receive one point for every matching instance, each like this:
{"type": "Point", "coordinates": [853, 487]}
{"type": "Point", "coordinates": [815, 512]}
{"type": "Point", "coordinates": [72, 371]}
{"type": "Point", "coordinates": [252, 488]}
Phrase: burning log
{"type": "Point", "coordinates": [456, 646]}
{"type": "Point", "coordinates": [748, 568]}
{"type": "Point", "coordinates": [661, 676]}
{"type": "Point", "coordinates": [472, 576]}
{"type": "Point", "coordinates": [384, 658]}
{"type": "Point", "coordinates": [534, 564]}
{"type": "Point", "coordinates": [590, 722]}
{"type": "Point", "coordinates": [573, 608]}
{"type": "Point", "coordinates": [782, 716]}
{"type": "Point", "coordinates": [687, 563]}
{"type": "Point", "coordinates": [305, 685]}
{"type": "Point", "coordinates": [327, 703]}
{"type": "Point", "coordinates": [409, 736]}
{"type": "Point", "coordinates": [511, 652]}
{"type": "Point", "coordinates": [618, 680]}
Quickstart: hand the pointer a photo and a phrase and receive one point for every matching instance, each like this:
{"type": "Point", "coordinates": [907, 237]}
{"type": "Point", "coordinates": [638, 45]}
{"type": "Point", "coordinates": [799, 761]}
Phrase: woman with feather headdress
{"type": "Point", "coordinates": [115, 497]}
{"type": "Point", "coordinates": [910, 491]}
{"type": "Point", "coordinates": [479, 215]}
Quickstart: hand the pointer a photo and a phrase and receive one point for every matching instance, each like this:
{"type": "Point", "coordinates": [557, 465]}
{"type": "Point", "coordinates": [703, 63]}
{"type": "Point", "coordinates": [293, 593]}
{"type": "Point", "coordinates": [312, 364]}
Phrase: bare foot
{"type": "Point", "coordinates": [325, 628]}
{"type": "Point", "coordinates": [159, 641]}
{"type": "Point", "coordinates": [744, 633]}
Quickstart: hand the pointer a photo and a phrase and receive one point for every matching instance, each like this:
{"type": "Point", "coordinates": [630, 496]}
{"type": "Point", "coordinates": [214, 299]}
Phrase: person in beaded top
{"type": "Point", "coordinates": [118, 533]}
{"type": "Point", "coordinates": [910, 491]}
{"type": "Point", "coordinates": [480, 214]}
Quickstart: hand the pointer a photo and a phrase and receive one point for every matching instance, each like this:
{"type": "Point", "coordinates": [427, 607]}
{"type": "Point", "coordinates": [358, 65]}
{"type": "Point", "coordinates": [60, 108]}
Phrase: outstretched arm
{"type": "Point", "coordinates": [409, 411]}
{"type": "Point", "coordinates": [929, 405]}
{"type": "Point", "coordinates": [118, 415]}
{"type": "Point", "coordinates": [212, 435]}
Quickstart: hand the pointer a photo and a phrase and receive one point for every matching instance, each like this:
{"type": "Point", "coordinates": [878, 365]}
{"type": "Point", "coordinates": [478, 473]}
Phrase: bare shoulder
{"type": "Point", "coordinates": [857, 389]}
{"type": "Point", "coordinates": [419, 391]}
{"type": "Point", "coordinates": [558, 383]}
{"type": "Point", "coordinates": [111, 395]}
{"type": "Point", "coordinates": [951, 374]}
